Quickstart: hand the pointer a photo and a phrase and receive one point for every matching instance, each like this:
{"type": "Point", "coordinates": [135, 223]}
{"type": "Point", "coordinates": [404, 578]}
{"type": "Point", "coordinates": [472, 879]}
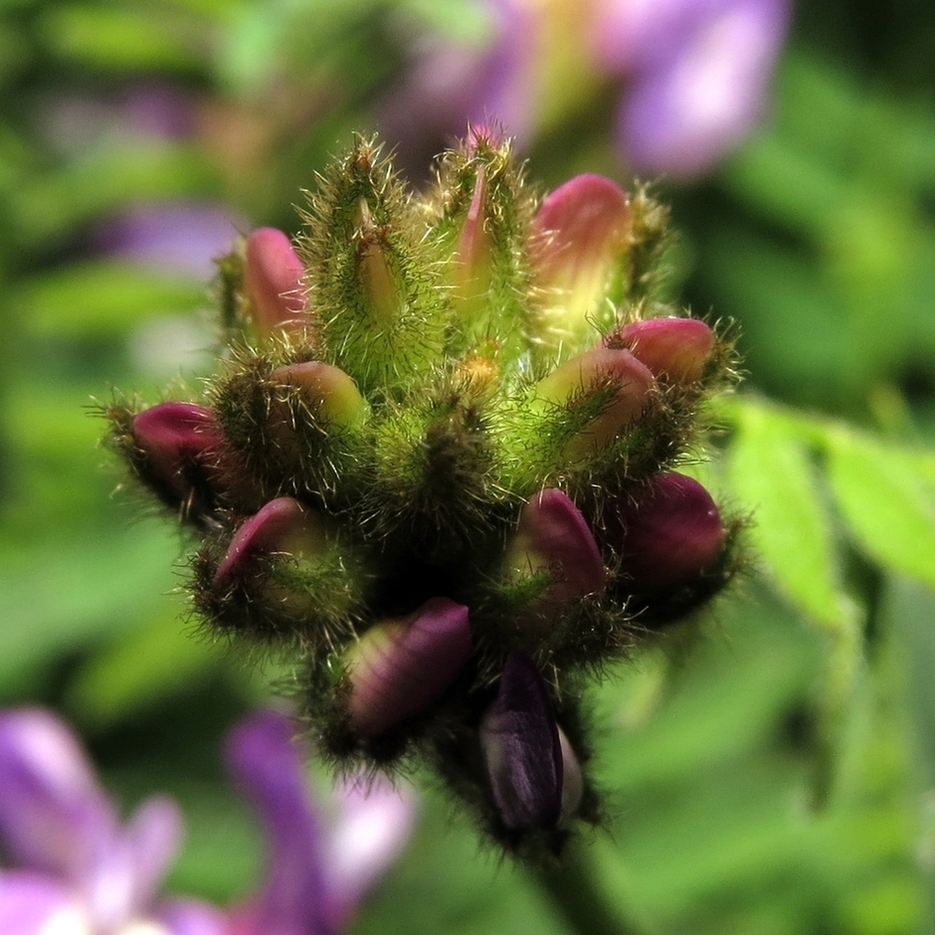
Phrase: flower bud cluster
{"type": "Point", "coordinates": [438, 468]}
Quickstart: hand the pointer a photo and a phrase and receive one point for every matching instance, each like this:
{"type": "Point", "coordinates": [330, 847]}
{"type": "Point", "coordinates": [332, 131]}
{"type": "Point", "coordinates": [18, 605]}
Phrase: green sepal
{"type": "Point", "coordinates": [484, 210]}
{"type": "Point", "coordinates": [283, 441]}
{"type": "Point", "coordinates": [287, 602]}
{"type": "Point", "coordinates": [371, 275]}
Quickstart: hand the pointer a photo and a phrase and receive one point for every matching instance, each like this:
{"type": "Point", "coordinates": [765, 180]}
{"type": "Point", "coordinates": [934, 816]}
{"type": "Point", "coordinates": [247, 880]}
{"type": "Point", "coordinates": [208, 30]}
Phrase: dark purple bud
{"type": "Point", "coordinates": [400, 667]}
{"type": "Point", "coordinates": [677, 348]}
{"type": "Point", "coordinates": [177, 440]}
{"type": "Point", "coordinates": [668, 535]}
{"type": "Point", "coordinates": [522, 749]}
{"type": "Point", "coordinates": [282, 525]}
{"type": "Point", "coordinates": [553, 535]}
{"type": "Point", "coordinates": [272, 281]}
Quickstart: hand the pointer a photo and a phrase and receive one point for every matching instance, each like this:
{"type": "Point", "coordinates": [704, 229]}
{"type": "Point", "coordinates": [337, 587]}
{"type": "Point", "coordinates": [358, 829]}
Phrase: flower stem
{"type": "Point", "coordinates": [574, 889]}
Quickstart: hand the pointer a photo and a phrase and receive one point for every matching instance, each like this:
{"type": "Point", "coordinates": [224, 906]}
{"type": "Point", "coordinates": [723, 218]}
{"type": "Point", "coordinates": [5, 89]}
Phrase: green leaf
{"type": "Point", "coordinates": [114, 175]}
{"type": "Point", "coordinates": [137, 40]}
{"type": "Point", "coordinates": [885, 501]}
{"type": "Point", "coordinates": [770, 472]}
{"type": "Point", "coordinates": [138, 669]}
{"type": "Point", "coordinates": [101, 297]}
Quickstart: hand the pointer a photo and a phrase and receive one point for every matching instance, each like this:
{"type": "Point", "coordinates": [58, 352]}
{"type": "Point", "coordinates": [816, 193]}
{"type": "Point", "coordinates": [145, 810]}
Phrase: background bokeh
{"type": "Point", "coordinates": [749, 791]}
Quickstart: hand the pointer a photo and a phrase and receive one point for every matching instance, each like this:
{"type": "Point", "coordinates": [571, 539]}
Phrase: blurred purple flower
{"type": "Point", "coordinates": [180, 237]}
{"type": "Point", "coordinates": [448, 83]}
{"type": "Point", "coordinates": [316, 872]}
{"type": "Point", "coordinates": [74, 868]}
{"type": "Point", "coordinates": [692, 74]}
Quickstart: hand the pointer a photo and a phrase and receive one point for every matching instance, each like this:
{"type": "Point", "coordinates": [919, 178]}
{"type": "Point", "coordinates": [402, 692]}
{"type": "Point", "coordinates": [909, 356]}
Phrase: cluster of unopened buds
{"type": "Point", "coordinates": [437, 469]}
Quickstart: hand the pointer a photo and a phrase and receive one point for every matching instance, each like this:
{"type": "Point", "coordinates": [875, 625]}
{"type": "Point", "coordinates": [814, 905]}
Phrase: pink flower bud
{"type": "Point", "coordinates": [552, 535]}
{"type": "Point", "coordinates": [272, 281]}
{"type": "Point", "coordinates": [677, 348]}
{"type": "Point", "coordinates": [579, 234]}
{"type": "Point", "coordinates": [669, 535]}
{"type": "Point", "coordinates": [400, 667]}
{"type": "Point", "coordinates": [331, 393]}
{"type": "Point", "coordinates": [282, 525]}
{"type": "Point", "coordinates": [596, 370]}
{"type": "Point", "coordinates": [177, 440]}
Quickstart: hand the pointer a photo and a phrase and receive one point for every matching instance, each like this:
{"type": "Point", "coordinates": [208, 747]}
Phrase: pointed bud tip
{"type": "Point", "coordinates": [270, 530]}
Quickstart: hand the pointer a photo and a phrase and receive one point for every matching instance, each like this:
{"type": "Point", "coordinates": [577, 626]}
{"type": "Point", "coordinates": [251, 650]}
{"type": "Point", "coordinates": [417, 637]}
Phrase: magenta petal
{"type": "Point", "coordinates": [265, 532]}
{"type": "Point", "coordinates": [171, 430]}
{"type": "Point", "coordinates": [583, 223]}
{"type": "Point", "coordinates": [678, 348]}
{"type": "Point", "coordinates": [272, 280]}
{"type": "Point", "coordinates": [579, 235]}
{"type": "Point", "coordinates": [400, 667]}
{"type": "Point", "coordinates": [267, 764]}
{"type": "Point", "coordinates": [522, 750]}
{"type": "Point", "coordinates": [53, 815]}
{"type": "Point", "coordinates": [29, 900]}
{"type": "Point", "coordinates": [176, 438]}
{"type": "Point", "coordinates": [558, 535]}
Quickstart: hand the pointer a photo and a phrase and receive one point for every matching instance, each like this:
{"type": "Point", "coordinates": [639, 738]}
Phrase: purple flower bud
{"type": "Point", "coordinates": [399, 667]}
{"type": "Point", "coordinates": [283, 525]}
{"type": "Point", "coordinates": [592, 372]}
{"type": "Point", "coordinates": [331, 393]}
{"type": "Point", "coordinates": [668, 535]}
{"type": "Point", "coordinates": [553, 535]}
{"type": "Point", "coordinates": [177, 440]}
{"type": "Point", "coordinates": [272, 281]}
{"type": "Point", "coordinates": [522, 749]}
{"type": "Point", "coordinates": [579, 234]}
{"type": "Point", "coordinates": [676, 348]}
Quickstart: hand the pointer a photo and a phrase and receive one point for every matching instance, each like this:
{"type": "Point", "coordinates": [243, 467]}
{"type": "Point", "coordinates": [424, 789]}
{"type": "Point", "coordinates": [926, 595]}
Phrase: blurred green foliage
{"type": "Point", "coordinates": [774, 775]}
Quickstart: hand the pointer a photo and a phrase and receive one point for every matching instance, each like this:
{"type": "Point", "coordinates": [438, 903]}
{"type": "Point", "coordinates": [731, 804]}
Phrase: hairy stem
{"type": "Point", "coordinates": [574, 889]}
